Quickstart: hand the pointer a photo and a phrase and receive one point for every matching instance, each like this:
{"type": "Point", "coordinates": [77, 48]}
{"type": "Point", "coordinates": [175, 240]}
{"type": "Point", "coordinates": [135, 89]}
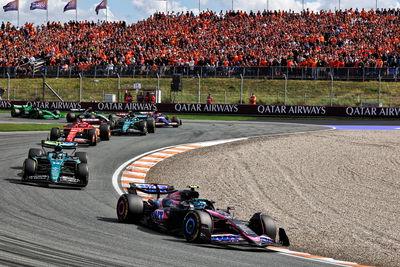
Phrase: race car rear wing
{"type": "Point", "coordinates": [152, 189]}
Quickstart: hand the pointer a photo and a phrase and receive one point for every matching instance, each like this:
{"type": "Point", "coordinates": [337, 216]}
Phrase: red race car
{"type": "Point", "coordinates": [82, 132]}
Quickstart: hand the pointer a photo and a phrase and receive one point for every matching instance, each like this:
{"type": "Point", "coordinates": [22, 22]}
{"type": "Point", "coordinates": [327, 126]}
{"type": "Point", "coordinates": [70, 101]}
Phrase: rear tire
{"type": "Point", "coordinates": [29, 168]}
{"type": "Point", "coordinates": [197, 227]}
{"type": "Point", "coordinates": [130, 208]}
{"type": "Point", "coordinates": [176, 119]}
{"type": "Point", "coordinates": [35, 152]}
{"type": "Point", "coordinates": [15, 112]}
{"type": "Point", "coordinates": [83, 174]}
{"type": "Point", "coordinates": [263, 224]}
{"type": "Point", "coordinates": [83, 157]}
{"type": "Point", "coordinates": [55, 134]}
{"type": "Point", "coordinates": [151, 125]}
{"type": "Point", "coordinates": [105, 132]}
{"type": "Point", "coordinates": [71, 117]}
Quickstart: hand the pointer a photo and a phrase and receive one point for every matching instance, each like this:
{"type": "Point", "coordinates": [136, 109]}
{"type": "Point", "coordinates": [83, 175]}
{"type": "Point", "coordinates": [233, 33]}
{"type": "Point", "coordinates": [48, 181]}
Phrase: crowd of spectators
{"type": "Point", "coordinates": [343, 38]}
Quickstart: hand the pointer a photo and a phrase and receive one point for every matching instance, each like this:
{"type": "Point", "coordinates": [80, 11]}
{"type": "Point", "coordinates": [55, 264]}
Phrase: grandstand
{"type": "Point", "coordinates": [344, 38]}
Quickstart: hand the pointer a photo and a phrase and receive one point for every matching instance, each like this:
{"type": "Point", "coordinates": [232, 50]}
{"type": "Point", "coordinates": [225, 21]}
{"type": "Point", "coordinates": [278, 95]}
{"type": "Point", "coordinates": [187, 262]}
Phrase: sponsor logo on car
{"type": "Point", "coordinates": [38, 177]}
{"type": "Point", "coordinates": [68, 179]}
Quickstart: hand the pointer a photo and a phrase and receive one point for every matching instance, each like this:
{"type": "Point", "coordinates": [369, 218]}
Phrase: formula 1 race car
{"type": "Point", "coordinates": [81, 132]}
{"type": "Point", "coordinates": [183, 212]}
{"type": "Point", "coordinates": [88, 116]}
{"type": "Point", "coordinates": [30, 111]}
{"type": "Point", "coordinates": [163, 121]}
{"type": "Point", "coordinates": [130, 123]}
{"type": "Point", "coordinates": [56, 167]}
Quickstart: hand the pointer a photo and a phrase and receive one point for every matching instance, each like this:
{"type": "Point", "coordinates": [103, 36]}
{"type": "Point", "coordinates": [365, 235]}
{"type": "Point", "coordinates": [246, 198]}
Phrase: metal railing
{"type": "Point", "coordinates": [134, 71]}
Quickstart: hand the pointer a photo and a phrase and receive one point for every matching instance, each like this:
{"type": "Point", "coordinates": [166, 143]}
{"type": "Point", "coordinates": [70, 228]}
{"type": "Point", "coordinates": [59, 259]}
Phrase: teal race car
{"type": "Point", "coordinates": [131, 123]}
{"type": "Point", "coordinates": [30, 111]}
{"type": "Point", "coordinates": [56, 166]}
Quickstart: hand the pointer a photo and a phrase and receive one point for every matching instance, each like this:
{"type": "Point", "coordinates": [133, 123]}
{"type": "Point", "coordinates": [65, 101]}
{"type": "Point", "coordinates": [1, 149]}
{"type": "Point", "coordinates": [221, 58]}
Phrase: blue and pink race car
{"type": "Point", "coordinates": [183, 212]}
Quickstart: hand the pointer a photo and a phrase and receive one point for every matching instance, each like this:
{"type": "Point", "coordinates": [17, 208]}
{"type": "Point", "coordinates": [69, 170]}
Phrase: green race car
{"type": "Point", "coordinates": [30, 111]}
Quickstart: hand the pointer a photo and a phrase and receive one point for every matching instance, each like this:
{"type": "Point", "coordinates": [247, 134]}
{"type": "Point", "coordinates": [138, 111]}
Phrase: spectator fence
{"type": "Point", "coordinates": [293, 73]}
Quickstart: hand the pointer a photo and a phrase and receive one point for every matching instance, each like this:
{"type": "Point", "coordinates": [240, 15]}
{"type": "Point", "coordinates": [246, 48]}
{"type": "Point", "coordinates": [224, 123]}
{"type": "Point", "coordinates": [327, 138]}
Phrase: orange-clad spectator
{"type": "Point", "coordinates": [152, 99]}
{"type": "Point", "coordinates": [253, 99]}
{"type": "Point", "coordinates": [209, 99]}
{"type": "Point", "coordinates": [231, 38]}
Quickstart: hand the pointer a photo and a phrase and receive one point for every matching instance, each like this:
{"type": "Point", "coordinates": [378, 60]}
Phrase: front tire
{"type": "Point", "coordinates": [92, 136]}
{"type": "Point", "coordinates": [29, 168]}
{"type": "Point", "coordinates": [55, 134]}
{"type": "Point", "coordinates": [197, 227]}
{"type": "Point", "coordinates": [130, 208]}
{"type": "Point", "coordinates": [83, 157]}
{"type": "Point", "coordinates": [263, 224]}
{"type": "Point", "coordinates": [83, 174]}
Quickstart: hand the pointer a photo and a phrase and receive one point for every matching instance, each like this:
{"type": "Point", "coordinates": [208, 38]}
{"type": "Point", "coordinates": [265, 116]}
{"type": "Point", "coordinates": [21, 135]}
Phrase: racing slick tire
{"type": "Point", "coordinates": [197, 227]}
{"type": "Point", "coordinates": [143, 127]}
{"type": "Point", "coordinates": [71, 117]}
{"type": "Point", "coordinates": [263, 224]}
{"type": "Point", "coordinates": [55, 134]}
{"type": "Point", "coordinates": [29, 168]}
{"type": "Point", "coordinates": [15, 112]}
{"type": "Point", "coordinates": [35, 152]}
{"type": "Point", "coordinates": [83, 157]}
{"type": "Point", "coordinates": [92, 136]}
{"type": "Point", "coordinates": [105, 132]}
{"type": "Point", "coordinates": [130, 208]}
{"type": "Point", "coordinates": [176, 119]}
{"type": "Point", "coordinates": [151, 125]}
{"type": "Point", "coordinates": [83, 174]}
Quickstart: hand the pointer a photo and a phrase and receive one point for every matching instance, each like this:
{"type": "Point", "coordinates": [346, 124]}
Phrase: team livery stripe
{"type": "Point", "coordinates": [122, 178]}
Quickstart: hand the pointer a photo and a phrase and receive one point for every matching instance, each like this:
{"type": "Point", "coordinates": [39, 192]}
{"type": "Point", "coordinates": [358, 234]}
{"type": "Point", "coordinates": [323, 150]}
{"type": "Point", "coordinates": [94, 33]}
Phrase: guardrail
{"type": "Point", "coordinates": [134, 71]}
{"type": "Point", "coordinates": [228, 109]}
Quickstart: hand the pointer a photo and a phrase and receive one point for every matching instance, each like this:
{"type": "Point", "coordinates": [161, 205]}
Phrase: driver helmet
{"type": "Point", "coordinates": [199, 204]}
{"type": "Point", "coordinates": [58, 148]}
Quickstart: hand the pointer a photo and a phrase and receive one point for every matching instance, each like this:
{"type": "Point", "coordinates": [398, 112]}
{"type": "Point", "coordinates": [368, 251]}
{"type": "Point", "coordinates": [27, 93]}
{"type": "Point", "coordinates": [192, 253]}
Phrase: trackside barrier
{"type": "Point", "coordinates": [217, 109]}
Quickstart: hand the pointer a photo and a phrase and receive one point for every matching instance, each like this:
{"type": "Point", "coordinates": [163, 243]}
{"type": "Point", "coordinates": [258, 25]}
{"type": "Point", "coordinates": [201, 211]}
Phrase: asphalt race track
{"type": "Point", "coordinates": [72, 227]}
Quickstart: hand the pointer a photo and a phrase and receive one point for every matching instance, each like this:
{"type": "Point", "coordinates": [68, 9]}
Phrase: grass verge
{"type": "Point", "coordinates": [12, 127]}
